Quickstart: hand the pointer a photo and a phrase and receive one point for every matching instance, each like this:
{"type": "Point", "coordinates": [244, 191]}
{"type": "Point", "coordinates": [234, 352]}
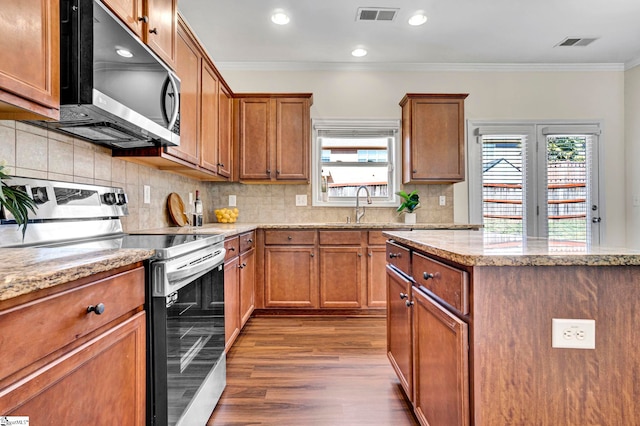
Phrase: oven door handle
{"type": "Point", "coordinates": [194, 270]}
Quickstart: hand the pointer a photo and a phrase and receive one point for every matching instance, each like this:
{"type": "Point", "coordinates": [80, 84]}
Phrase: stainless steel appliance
{"type": "Point", "coordinates": [114, 90]}
{"type": "Point", "coordinates": [185, 291]}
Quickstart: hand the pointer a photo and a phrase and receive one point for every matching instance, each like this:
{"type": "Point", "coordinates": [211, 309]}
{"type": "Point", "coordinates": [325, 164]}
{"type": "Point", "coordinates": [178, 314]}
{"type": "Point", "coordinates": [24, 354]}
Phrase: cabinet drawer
{"type": "Point", "coordinates": [45, 325]}
{"type": "Point", "coordinates": [376, 237]}
{"type": "Point", "coordinates": [247, 241]}
{"type": "Point", "coordinates": [289, 237]}
{"type": "Point", "coordinates": [232, 247]}
{"type": "Point", "coordinates": [399, 257]}
{"type": "Point", "coordinates": [449, 284]}
{"type": "Point", "coordinates": [340, 237]}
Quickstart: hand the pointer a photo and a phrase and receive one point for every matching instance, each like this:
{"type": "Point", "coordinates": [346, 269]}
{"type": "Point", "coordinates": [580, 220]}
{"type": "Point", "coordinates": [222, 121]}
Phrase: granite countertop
{"type": "Point", "coordinates": [23, 270]}
{"type": "Point", "coordinates": [479, 248]}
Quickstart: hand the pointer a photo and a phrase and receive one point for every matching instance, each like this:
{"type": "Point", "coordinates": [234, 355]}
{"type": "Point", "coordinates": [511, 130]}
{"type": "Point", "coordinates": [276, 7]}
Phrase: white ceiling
{"type": "Point", "coordinates": [322, 33]}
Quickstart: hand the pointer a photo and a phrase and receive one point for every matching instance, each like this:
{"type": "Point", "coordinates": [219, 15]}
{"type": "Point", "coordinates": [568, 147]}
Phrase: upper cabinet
{"type": "Point", "coordinates": [154, 21]}
{"type": "Point", "coordinates": [273, 137]}
{"type": "Point", "coordinates": [29, 59]}
{"type": "Point", "coordinates": [433, 138]}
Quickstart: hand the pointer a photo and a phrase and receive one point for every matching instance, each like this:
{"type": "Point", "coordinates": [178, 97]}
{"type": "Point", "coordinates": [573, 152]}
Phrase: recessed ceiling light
{"type": "Point", "coordinates": [418, 18]}
{"type": "Point", "coordinates": [359, 52]}
{"type": "Point", "coordinates": [280, 17]}
{"type": "Point", "coordinates": [124, 53]}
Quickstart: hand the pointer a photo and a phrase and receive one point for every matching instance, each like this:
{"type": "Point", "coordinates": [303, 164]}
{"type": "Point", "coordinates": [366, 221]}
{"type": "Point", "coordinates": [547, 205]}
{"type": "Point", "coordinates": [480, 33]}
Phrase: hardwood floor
{"type": "Point", "coordinates": [311, 371]}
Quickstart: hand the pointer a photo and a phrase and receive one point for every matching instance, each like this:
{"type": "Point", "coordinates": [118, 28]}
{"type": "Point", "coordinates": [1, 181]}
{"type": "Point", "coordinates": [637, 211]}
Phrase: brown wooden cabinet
{"type": "Point", "coordinates": [433, 138]}
{"type": "Point", "coordinates": [273, 139]}
{"type": "Point", "coordinates": [341, 269]}
{"type": "Point", "coordinates": [440, 363]}
{"type": "Point", "coordinates": [30, 59]}
{"type": "Point", "coordinates": [247, 276]}
{"type": "Point", "coordinates": [67, 363]}
{"type": "Point", "coordinates": [399, 319]}
{"type": "Point", "coordinates": [154, 21]}
{"type": "Point", "coordinates": [290, 269]}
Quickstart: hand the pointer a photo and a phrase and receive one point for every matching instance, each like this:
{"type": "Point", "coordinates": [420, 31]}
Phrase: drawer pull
{"type": "Point", "coordinates": [232, 249]}
{"type": "Point", "coordinates": [427, 275]}
{"type": "Point", "coordinates": [403, 295]}
{"type": "Point", "coordinates": [409, 303]}
{"type": "Point", "coordinates": [98, 309]}
{"type": "Point", "coordinates": [249, 241]}
{"type": "Point", "coordinates": [392, 255]}
{"type": "Point", "coordinates": [289, 237]}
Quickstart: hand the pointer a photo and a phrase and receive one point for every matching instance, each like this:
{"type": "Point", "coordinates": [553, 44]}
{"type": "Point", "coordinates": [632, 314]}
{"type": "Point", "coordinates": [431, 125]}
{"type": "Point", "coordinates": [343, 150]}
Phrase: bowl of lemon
{"type": "Point", "coordinates": [226, 215]}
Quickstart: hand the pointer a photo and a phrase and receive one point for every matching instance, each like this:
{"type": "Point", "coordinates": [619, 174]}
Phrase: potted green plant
{"type": "Point", "coordinates": [15, 201]}
{"type": "Point", "coordinates": [410, 202]}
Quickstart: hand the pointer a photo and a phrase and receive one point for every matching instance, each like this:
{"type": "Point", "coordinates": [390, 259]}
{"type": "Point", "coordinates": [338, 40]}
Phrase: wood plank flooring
{"type": "Point", "coordinates": [311, 371]}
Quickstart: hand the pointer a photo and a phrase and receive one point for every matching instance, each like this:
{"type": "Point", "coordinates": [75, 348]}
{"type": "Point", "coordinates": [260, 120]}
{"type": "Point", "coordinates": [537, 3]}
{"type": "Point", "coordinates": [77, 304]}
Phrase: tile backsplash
{"type": "Point", "coordinates": [35, 152]}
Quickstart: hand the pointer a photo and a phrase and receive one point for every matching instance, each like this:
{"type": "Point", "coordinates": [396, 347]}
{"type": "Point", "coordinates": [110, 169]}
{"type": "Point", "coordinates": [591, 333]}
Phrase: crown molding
{"type": "Point", "coordinates": [632, 63]}
{"type": "Point", "coordinates": [420, 67]}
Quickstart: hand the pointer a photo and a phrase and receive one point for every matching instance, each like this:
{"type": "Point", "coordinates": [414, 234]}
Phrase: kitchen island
{"type": "Point", "coordinates": [470, 329]}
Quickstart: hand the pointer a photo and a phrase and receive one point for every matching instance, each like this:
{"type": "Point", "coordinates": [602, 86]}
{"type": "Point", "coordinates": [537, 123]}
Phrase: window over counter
{"type": "Point", "coordinates": [348, 154]}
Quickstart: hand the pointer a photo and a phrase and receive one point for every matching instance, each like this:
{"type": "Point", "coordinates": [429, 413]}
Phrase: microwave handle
{"type": "Point", "coordinates": [176, 108]}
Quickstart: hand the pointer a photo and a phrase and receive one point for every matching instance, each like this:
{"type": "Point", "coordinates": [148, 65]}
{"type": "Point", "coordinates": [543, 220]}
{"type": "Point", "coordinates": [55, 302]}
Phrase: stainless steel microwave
{"type": "Point", "coordinates": [114, 90]}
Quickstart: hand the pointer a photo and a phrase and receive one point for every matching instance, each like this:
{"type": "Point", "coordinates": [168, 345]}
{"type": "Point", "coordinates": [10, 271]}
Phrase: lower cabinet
{"type": "Point", "coordinates": [291, 277]}
{"type": "Point", "coordinates": [376, 277]}
{"type": "Point", "coordinates": [440, 363]}
{"type": "Point", "coordinates": [63, 362]}
{"type": "Point", "coordinates": [239, 284]}
{"type": "Point", "coordinates": [399, 317]}
{"type": "Point", "coordinates": [340, 277]}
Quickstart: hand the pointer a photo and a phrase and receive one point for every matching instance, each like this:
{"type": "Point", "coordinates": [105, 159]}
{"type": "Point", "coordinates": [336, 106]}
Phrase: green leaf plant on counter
{"type": "Point", "coordinates": [15, 201]}
{"type": "Point", "coordinates": [410, 203]}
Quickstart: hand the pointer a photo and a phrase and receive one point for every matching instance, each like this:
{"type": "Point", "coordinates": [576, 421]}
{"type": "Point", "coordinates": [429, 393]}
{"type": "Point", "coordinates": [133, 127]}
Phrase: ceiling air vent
{"type": "Point", "coordinates": [376, 14]}
{"type": "Point", "coordinates": [576, 41]}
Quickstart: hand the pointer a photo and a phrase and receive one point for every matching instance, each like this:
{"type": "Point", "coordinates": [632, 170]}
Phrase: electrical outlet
{"type": "Point", "coordinates": [573, 333]}
{"type": "Point", "coordinates": [301, 199]}
{"type": "Point", "coordinates": [147, 194]}
{"type": "Point", "coordinates": [443, 200]}
{"type": "Point", "coordinates": [232, 200]}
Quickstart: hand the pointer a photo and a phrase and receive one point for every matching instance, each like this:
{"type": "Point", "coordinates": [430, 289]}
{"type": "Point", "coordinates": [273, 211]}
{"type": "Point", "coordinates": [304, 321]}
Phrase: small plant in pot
{"type": "Point", "coordinates": [15, 201]}
{"type": "Point", "coordinates": [410, 202]}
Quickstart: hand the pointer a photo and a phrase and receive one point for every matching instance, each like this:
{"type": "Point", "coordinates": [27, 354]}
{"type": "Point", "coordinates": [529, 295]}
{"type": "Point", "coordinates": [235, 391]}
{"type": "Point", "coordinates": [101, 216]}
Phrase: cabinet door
{"type": "Point", "coordinates": [162, 28]}
{"type": "Point", "coordinates": [340, 277]}
{"type": "Point", "coordinates": [30, 57]}
{"type": "Point", "coordinates": [231, 302]}
{"type": "Point", "coordinates": [376, 277]}
{"type": "Point", "coordinates": [209, 118]}
{"type": "Point", "coordinates": [255, 138]}
{"type": "Point", "coordinates": [433, 139]}
{"type": "Point", "coordinates": [225, 126]}
{"type": "Point", "coordinates": [399, 329]}
{"type": "Point", "coordinates": [188, 69]}
{"type": "Point", "coordinates": [441, 366]}
{"type": "Point", "coordinates": [107, 374]}
{"type": "Point", "coordinates": [130, 12]}
{"type": "Point", "coordinates": [290, 277]}
{"type": "Point", "coordinates": [292, 139]}
{"type": "Point", "coordinates": [247, 285]}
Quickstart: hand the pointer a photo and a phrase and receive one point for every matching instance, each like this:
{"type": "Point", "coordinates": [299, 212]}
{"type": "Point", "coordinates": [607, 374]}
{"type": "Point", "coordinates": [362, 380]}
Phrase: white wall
{"type": "Point", "coordinates": [632, 137]}
{"type": "Point", "coordinates": [493, 95]}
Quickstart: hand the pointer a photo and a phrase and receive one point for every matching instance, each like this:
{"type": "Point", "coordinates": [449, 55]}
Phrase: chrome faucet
{"type": "Point", "coordinates": [359, 213]}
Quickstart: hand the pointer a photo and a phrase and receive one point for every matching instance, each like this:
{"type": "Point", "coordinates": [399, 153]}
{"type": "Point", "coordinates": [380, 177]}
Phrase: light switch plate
{"type": "Point", "coordinates": [147, 194]}
{"type": "Point", "coordinates": [301, 199]}
{"type": "Point", "coordinates": [443, 200]}
{"type": "Point", "coordinates": [232, 200]}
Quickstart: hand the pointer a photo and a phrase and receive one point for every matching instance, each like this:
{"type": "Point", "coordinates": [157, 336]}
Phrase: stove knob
{"type": "Point", "coordinates": [39, 195]}
{"type": "Point", "coordinates": [122, 199]}
{"type": "Point", "coordinates": [109, 198]}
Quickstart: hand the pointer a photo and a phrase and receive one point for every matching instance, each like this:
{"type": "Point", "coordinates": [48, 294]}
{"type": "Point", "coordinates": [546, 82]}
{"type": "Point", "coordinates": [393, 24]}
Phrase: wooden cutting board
{"type": "Point", "coordinates": [177, 210]}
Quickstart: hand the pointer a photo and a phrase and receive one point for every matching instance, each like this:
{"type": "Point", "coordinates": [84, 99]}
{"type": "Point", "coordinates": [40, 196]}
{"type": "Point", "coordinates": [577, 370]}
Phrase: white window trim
{"type": "Point", "coordinates": [394, 159]}
{"type": "Point", "coordinates": [533, 130]}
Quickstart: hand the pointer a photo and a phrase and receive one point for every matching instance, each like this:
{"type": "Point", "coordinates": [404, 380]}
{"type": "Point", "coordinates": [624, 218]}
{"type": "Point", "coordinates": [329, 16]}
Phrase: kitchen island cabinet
{"type": "Point", "coordinates": [30, 60]}
{"type": "Point", "coordinates": [77, 351]}
{"type": "Point", "coordinates": [482, 358]}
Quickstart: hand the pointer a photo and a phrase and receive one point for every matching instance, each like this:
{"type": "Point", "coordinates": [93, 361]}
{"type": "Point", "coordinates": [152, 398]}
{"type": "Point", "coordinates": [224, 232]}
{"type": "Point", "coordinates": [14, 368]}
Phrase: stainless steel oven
{"type": "Point", "coordinates": [187, 357]}
{"type": "Point", "coordinates": [186, 371]}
